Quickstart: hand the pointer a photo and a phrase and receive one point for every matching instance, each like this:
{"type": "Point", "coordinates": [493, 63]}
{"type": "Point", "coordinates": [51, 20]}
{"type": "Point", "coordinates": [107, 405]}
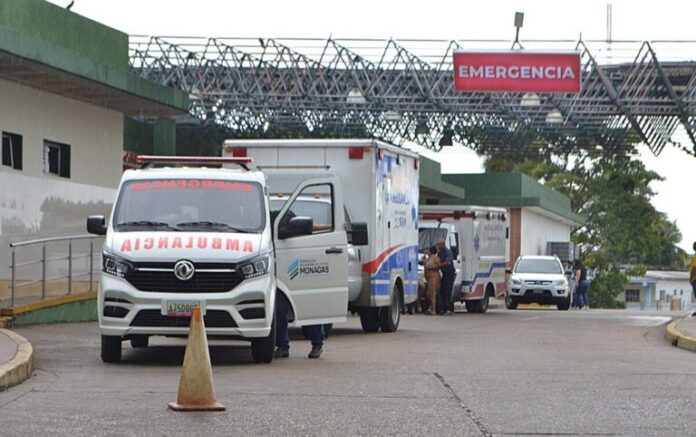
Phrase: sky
{"type": "Point", "coordinates": [435, 19]}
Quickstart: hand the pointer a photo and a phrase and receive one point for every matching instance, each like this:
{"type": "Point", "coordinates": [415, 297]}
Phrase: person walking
{"type": "Point", "coordinates": [316, 332]}
{"type": "Point", "coordinates": [692, 274]}
{"type": "Point", "coordinates": [582, 285]}
{"type": "Point", "coordinates": [448, 275]}
{"type": "Point", "coordinates": [432, 275]}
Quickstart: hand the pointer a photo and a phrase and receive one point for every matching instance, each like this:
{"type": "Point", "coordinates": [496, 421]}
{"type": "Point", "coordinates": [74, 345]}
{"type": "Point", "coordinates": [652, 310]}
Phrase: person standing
{"type": "Point", "coordinates": [692, 273]}
{"type": "Point", "coordinates": [582, 285]}
{"type": "Point", "coordinates": [316, 332]}
{"type": "Point", "coordinates": [448, 275]}
{"type": "Point", "coordinates": [432, 275]}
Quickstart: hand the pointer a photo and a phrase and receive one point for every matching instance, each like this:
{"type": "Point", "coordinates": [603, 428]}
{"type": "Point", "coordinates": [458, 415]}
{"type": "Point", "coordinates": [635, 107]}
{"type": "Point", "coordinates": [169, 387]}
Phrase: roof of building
{"type": "Point", "coordinates": [433, 187]}
{"type": "Point", "coordinates": [511, 190]}
{"type": "Point", "coordinates": [662, 275]}
{"type": "Point", "coordinates": [47, 47]}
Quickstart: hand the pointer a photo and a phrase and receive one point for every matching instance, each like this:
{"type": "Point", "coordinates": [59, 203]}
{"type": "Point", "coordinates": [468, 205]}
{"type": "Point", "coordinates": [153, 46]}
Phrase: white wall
{"type": "Point", "coordinates": [676, 289]}
{"type": "Point", "coordinates": [34, 204]}
{"type": "Point", "coordinates": [537, 230]}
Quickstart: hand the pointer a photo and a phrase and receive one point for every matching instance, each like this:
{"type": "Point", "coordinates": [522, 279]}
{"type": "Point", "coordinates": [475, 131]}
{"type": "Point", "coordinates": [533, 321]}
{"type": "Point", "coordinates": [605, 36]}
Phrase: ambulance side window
{"type": "Point", "coordinates": [454, 244]}
{"type": "Point", "coordinates": [315, 202]}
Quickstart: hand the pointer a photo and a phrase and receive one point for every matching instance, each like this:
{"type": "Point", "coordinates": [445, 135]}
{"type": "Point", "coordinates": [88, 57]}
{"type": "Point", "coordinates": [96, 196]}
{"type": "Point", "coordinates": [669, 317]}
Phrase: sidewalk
{"type": "Point", "coordinates": [16, 359]}
{"type": "Point", "coordinates": [682, 333]}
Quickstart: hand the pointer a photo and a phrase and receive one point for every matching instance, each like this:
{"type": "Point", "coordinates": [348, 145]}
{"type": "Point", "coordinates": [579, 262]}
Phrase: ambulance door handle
{"type": "Point", "coordinates": [333, 250]}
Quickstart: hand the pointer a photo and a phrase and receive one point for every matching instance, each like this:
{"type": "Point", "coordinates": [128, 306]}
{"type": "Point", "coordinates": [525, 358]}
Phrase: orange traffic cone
{"type": "Point", "coordinates": [196, 383]}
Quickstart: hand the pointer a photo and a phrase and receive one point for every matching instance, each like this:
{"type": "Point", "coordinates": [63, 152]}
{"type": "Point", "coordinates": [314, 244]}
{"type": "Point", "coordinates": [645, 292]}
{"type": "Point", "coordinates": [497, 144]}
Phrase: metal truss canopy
{"type": "Point", "coordinates": [402, 90]}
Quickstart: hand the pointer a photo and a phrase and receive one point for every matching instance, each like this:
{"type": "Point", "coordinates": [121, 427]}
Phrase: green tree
{"type": "Point", "coordinates": [623, 232]}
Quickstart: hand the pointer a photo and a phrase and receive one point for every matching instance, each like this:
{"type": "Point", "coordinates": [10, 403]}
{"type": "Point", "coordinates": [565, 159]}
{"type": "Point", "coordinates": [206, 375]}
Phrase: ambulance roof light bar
{"type": "Point", "coordinates": [146, 160]}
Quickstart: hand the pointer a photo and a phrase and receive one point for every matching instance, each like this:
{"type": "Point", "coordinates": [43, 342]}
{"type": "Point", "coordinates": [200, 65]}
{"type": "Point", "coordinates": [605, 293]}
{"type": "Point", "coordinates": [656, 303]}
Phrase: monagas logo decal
{"type": "Point", "coordinates": [307, 267]}
{"type": "Point", "coordinates": [294, 269]}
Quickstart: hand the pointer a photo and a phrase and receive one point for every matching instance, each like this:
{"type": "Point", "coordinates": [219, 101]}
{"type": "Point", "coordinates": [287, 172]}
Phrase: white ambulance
{"type": "Point", "coordinates": [186, 237]}
{"type": "Point", "coordinates": [379, 182]}
{"type": "Point", "coordinates": [478, 238]}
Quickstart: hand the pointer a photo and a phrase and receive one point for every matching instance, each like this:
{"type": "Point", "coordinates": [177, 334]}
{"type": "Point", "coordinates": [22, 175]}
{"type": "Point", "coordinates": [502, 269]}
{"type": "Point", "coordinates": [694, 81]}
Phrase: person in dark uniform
{"type": "Point", "coordinates": [316, 333]}
{"type": "Point", "coordinates": [448, 275]}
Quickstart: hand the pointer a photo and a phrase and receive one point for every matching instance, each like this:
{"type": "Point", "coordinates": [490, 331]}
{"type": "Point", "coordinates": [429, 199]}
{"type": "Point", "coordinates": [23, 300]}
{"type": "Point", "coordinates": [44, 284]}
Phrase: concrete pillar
{"type": "Point", "coordinates": [164, 137]}
{"type": "Point", "coordinates": [515, 234]}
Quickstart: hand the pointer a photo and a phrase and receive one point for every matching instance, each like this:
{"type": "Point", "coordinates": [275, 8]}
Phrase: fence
{"type": "Point", "coordinates": [77, 264]}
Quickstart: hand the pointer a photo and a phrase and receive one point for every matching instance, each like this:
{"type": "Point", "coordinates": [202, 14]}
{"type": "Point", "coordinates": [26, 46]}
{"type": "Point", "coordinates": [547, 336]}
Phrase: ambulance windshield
{"type": "Point", "coordinates": [193, 205]}
{"type": "Point", "coordinates": [427, 237]}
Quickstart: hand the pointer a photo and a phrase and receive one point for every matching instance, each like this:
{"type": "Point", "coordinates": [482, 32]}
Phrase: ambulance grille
{"type": "Point", "coordinates": [161, 278]}
{"type": "Point", "coordinates": [154, 319]}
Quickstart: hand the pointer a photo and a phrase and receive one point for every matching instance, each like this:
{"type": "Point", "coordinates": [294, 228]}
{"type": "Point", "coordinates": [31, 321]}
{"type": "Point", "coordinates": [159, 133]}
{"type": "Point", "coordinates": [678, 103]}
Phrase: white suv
{"type": "Point", "coordinates": [538, 279]}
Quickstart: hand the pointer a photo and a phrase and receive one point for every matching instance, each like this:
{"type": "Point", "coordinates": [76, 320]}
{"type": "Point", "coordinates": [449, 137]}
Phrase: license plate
{"type": "Point", "coordinates": [538, 291]}
{"type": "Point", "coordinates": [181, 308]}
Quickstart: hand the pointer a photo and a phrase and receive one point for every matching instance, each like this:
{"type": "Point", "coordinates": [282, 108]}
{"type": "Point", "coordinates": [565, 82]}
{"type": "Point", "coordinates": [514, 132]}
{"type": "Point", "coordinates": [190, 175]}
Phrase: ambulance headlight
{"type": "Point", "coordinates": [255, 267]}
{"type": "Point", "coordinates": [115, 266]}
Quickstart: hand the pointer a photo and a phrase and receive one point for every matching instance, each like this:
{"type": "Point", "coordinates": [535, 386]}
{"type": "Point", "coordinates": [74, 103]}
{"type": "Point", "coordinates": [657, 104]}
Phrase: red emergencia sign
{"type": "Point", "coordinates": [521, 71]}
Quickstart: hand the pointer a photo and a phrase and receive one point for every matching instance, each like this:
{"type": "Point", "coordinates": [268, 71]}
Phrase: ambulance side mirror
{"type": "Point", "coordinates": [296, 227]}
{"type": "Point", "coordinates": [358, 234]}
{"type": "Point", "coordinates": [96, 225]}
{"type": "Point", "coordinates": [508, 271]}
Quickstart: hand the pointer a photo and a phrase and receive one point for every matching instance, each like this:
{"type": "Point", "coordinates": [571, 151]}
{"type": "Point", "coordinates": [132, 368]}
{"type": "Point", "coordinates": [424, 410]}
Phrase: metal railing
{"type": "Point", "coordinates": [44, 260]}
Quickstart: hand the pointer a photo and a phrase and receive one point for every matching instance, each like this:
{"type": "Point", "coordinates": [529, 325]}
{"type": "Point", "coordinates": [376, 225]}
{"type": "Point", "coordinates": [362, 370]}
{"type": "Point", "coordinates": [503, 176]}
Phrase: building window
{"type": "Point", "coordinates": [633, 296]}
{"type": "Point", "coordinates": [57, 159]}
{"type": "Point", "coordinates": [12, 150]}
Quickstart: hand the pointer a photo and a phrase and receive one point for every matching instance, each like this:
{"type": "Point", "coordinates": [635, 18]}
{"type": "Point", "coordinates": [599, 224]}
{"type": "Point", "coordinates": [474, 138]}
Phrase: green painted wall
{"type": "Point", "coordinates": [56, 25]}
{"type": "Point", "coordinates": [83, 311]}
{"type": "Point", "coordinates": [137, 136]}
{"type": "Point", "coordinates": [164, 137]}
{"type": "Point", "coordinates": [512, 190]}
{"type": "Point", "coordinates": [430, 177]}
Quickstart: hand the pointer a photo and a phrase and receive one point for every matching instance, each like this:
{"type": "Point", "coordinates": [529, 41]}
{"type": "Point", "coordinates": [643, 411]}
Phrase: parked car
{"type": "Point", "coordinates": [538, 279]}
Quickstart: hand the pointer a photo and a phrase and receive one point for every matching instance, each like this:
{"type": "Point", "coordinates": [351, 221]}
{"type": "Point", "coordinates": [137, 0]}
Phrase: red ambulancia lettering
{"type": "Point", "coordinates": [176, 244]}
{"type": "Point", "coordinates": [125, 246]}
{"type": "Point", "coordinates": [202, 242]}
{"type": "Point", "coordinates": [217, 243]}
{"type": "Point", "coordinates": [137, 244]}
{"type": "Point", "coordinates": [159, 184]}
{"type": "Point", "coordinates": [248, 247]}
{"type": "Point", "coordinates": [163, 243]}
{"type": "Point", "coordinates": [189, 245]}
{"type": "Point", "coordinates": [232, 245]}
{"type": "Point", "coordinates": [149, 243]}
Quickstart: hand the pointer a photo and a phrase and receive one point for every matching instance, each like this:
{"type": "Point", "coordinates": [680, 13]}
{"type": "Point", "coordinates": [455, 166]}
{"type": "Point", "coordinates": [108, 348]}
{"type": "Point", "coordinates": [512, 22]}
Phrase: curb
{"type": "Point", "coordinates": [47, 303]}
{"type": "Point", "coordinates": [20, 367]}
{"type": "Point", "coordinates": [679, 339]}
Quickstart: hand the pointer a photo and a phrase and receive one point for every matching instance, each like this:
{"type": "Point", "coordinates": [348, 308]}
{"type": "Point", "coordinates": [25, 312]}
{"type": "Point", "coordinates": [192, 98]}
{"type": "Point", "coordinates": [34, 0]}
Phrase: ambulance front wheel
{"type": "Point", "coordinates": [110, 349]}
{"type": "Point", "coordinates": [262, 348]}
